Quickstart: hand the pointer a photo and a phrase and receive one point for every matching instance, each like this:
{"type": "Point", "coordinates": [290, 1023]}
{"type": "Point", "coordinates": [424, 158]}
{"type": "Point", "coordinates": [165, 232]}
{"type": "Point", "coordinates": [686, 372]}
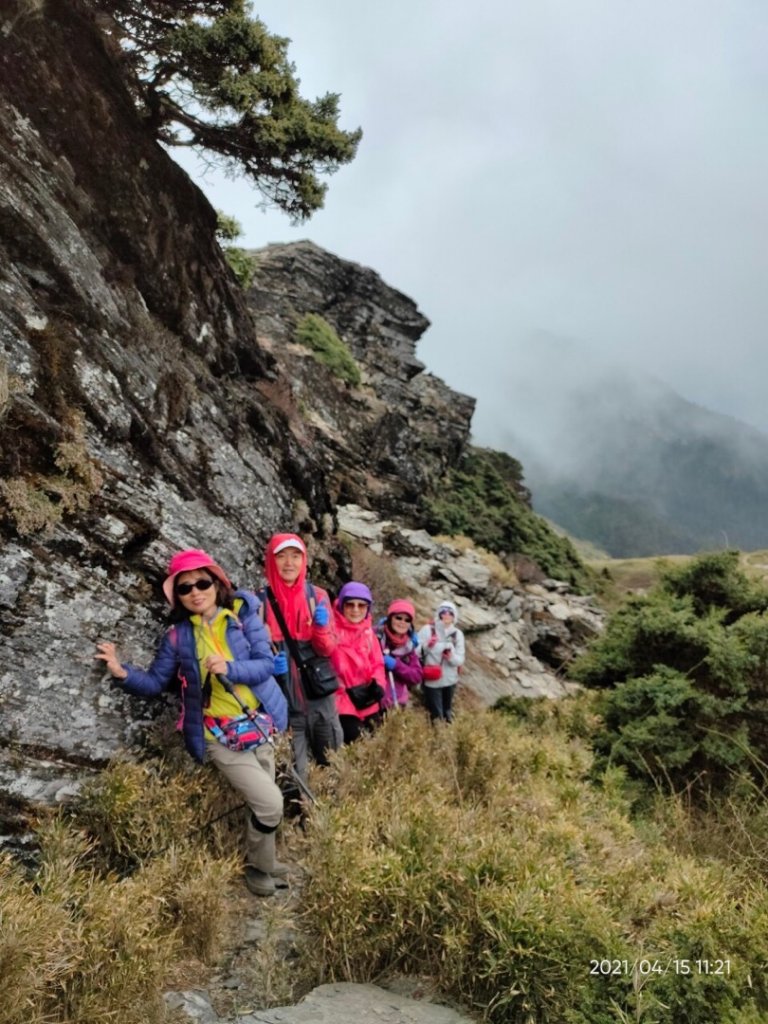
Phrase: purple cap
{"type": "Point", "coordinates": [354, 592]}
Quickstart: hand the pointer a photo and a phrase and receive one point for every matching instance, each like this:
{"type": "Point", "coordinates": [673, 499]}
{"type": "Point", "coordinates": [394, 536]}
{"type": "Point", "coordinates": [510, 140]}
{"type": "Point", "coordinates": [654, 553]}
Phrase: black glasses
{"type": "Point", "coordinates": [401, 618]}
{"type": "Point", "coordinates": [183, 589]}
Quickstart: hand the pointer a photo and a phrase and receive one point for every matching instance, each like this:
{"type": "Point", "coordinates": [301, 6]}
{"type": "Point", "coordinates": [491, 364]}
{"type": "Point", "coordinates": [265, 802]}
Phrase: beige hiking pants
{"type": "Point", "coordinates": [252, 774]}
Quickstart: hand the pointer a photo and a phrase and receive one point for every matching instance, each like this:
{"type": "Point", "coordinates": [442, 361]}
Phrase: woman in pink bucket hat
{"type": "Point", "coordinates": [220, 650]}
{"type": "Point", "coordinates": [397, 636]}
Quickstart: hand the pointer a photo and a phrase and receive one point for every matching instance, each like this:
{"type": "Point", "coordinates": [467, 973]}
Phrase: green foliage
{"type": "Point", "coordinates": [483, 498]}
{"type": "Point", "coordinates": [228, 228]}
{"type": "Point", "coordinates": [243, 264]}
{"type": "Point", "coordinates": [716, 581]}
{"type": "Point", "coordinates": [688, 668]}
{"type": "Point", "coordinates": [573, 716]}
{"type": "Point", "coordinates": [36, 503]}
{"type": "Point", "coordinates": [209, 75]}
{"type": "Point", "coordinates": [491, 865]}
{"type": "Point", "coordinates": [316, 333]}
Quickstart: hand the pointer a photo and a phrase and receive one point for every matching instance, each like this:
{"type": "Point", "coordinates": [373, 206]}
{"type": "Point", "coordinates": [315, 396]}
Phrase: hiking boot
{"type": "Point", "coordinates": [259, 882]}
{"type": "Point", "coordinates": [280, 870]}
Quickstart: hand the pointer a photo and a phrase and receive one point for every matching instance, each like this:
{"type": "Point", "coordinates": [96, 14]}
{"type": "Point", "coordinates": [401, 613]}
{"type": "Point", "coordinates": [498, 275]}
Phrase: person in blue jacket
{"type": "Point", "coordinates": [231, 703]}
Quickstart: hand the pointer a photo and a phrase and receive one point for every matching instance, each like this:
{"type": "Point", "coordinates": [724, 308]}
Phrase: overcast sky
{"type": "Point", "coordinates": [593, 169]}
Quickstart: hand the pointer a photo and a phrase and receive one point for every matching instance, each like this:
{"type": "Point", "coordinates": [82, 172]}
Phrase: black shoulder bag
{"type": "Point", "coordinates": [317, 675]}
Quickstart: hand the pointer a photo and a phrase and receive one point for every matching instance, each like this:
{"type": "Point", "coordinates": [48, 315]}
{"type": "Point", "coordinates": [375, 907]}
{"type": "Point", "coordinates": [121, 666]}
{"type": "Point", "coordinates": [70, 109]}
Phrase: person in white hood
{"type": "Point", "coordinates": [442, 644]}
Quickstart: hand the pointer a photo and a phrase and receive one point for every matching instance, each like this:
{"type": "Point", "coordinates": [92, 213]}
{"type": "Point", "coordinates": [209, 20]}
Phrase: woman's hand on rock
{"type": "Point", "coordinates": [108, 654]}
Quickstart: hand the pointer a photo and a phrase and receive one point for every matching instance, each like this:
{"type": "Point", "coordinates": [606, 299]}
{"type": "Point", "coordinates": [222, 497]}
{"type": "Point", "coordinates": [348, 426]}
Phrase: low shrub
{"type": "Point", "coordinates": [685, 670]}
{"type": "Point", "coordinates": [317, 334]}
{"type": "Point", "coordinates": [483, 498]}
{"type": "Point", "coordinates": [573, 716]}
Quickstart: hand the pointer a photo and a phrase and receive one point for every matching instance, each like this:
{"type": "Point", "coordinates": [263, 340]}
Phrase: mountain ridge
{"type": "Point", "coordinates": [627, 463]}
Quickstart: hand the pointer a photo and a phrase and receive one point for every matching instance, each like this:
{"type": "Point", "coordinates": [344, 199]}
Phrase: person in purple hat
{"type": "Point", "coordinates": [358, 661]}
{"type": "Point", "coordinates": [231, 704]}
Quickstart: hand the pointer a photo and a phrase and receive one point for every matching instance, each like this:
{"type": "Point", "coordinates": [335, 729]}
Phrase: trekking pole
{"type": "Point", "coordinates": [392, 690]}
{"type": "Point", "coordinates": [391, 678]}
{"type": "Point", "coordinates": [251, 715]}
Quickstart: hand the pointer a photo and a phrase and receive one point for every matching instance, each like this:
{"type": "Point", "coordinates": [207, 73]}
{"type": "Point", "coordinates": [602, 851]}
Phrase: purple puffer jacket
{"type": "Point", "coordinates": [407, 671]}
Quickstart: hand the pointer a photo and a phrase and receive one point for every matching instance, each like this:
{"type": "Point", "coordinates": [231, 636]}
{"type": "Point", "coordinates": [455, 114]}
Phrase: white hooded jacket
{"type": "Point", "coordinates": [443, 646]}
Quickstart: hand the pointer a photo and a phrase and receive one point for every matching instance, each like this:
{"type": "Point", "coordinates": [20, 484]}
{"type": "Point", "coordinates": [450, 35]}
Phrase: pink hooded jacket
{"type": "Point", "coordinates": [357, 658]}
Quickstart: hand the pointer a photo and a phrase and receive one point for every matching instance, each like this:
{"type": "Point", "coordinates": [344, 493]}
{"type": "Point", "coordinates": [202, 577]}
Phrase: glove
{"type": "Point", "coordinates": [280, 664]}
{"type": "Point", "coordinates": [389, 662]}
{"type": "Point", "coordinates": [321, 616]}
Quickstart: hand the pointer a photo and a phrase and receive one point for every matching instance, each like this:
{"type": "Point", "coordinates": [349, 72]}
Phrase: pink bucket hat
{"type": "Point", "coordinates": [402, 607]}
{"type": "Point", "coordinates": [185, 561]}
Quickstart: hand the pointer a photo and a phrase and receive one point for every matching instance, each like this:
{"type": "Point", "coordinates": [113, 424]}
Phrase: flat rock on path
{"type": "Point", "coordinates": [342, 1003]}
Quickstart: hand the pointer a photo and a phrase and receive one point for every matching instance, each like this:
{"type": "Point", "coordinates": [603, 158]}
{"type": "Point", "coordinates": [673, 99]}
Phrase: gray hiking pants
{"type": "Point", "coordinates": [315, 733]}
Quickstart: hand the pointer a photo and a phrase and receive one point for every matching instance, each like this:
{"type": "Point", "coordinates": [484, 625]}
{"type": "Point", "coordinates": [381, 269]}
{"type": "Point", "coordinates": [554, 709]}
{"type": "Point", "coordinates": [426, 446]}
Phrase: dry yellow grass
{"type": "Point", "coordinates": [479, 854]}
{"type": "Point", "coordinates": [124, 889]}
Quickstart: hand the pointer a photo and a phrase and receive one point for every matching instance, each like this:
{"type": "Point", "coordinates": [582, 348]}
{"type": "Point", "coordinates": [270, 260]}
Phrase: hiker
{"type": "Point", "coordinates": [400, 645]}
{"type": "Point", "coordinates": [358, 661]}
{"type": "Point", "coordinates": [220, 650]}
{"type": "Point", "coordinates": [442, 647]}
{"type": "Point", "coordinates": [298, 619]}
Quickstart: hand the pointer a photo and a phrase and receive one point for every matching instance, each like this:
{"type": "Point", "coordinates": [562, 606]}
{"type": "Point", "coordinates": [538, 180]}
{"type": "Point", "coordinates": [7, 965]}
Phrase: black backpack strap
{"type": "Point", "coordinates": [292, 645]}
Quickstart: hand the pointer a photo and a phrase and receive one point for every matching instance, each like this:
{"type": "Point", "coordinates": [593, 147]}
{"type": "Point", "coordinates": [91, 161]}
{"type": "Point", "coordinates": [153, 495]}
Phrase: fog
{"type": "Point", "coordinates": [592, 171]}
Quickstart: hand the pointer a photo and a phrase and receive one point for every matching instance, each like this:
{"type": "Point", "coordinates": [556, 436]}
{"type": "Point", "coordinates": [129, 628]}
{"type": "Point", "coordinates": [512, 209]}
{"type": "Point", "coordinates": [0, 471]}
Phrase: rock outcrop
{"type": "Point", "coordinates": [339, 1003]}
{"type": "Point", "coordinates": [147, 403]}
{"type": "Point", "coordinates": [393, 437]}
{"type": "Point", "coordinates": [128, 426]}
{"type": "Point", "coordinates": [520, 636]}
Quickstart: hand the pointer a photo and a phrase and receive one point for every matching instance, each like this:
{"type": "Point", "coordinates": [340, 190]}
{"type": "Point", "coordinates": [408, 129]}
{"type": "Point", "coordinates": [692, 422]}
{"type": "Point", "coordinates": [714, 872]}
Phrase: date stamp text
{"type": "Point", "coordinates": [650, 966]}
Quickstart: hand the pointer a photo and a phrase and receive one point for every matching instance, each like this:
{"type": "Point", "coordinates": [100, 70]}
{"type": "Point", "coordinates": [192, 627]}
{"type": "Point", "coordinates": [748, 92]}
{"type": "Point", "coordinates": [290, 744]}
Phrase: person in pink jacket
{"type": "Point", "coordinates": [400, 646]}
{"type": "Point", "coordinates": [358, 662]}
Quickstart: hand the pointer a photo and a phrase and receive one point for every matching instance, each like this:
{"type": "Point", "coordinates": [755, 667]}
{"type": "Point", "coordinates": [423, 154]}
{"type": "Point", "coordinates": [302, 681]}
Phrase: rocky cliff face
{"type": "Point", "coordinates": [393, 437]}
{"type": "Point", "coordinates": [146, 403]}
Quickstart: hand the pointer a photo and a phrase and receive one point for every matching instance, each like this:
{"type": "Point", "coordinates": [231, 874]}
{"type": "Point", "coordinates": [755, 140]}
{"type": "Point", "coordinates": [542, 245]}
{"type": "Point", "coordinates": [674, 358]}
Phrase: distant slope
{"type": "Point", "coordinates": [625, 462]}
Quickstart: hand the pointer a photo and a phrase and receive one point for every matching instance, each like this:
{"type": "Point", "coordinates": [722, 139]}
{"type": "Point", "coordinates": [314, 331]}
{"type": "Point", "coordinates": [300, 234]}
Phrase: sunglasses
{"type": "Point", "coordinates": [183, 589]}
{"type": "Point", "coordinates": [355, 604]}
{"type": "Point", "coordinates": [401, 618]}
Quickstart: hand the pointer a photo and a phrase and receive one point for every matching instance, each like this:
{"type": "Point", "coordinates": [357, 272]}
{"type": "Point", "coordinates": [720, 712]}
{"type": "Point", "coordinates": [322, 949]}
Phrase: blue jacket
{"type": "Point", "coordinates": [248, 641]}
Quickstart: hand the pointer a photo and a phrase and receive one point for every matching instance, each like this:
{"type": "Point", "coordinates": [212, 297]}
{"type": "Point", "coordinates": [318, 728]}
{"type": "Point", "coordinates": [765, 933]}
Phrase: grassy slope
{"type": "Point", "coordinates": [621, 577]}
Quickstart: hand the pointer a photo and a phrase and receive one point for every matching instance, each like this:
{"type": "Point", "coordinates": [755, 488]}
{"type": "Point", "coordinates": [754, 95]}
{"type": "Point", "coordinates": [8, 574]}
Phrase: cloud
{"type": "Point", "coordinates": [595, 170]}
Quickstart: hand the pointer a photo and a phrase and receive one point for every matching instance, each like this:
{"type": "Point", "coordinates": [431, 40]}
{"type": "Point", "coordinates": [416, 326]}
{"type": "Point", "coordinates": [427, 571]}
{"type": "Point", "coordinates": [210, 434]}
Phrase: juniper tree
{"type": "Point", "coordinates": [209, 75]}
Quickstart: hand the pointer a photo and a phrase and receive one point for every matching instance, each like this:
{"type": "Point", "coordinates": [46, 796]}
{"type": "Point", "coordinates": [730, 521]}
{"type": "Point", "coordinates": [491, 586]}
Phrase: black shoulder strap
{"type": "Point", "coordinates": [292, 645]}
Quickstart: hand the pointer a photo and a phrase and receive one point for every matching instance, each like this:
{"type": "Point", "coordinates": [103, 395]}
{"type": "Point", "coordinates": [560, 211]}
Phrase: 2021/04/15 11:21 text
{"type": "Point", "coordinates": [654, 965]}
